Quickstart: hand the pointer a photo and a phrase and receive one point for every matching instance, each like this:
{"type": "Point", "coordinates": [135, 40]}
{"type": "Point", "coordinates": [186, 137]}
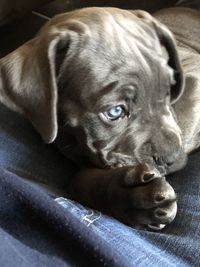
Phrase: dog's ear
{"type": "Point", "coordinates": [28, 81]}
{"type": "Point", "coordinates": [167, 41]}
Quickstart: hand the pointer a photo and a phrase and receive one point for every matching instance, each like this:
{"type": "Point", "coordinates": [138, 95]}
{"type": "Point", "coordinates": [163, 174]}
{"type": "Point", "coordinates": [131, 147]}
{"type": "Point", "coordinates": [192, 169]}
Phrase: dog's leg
{"type": "Point", "coordinates": [135, 195]}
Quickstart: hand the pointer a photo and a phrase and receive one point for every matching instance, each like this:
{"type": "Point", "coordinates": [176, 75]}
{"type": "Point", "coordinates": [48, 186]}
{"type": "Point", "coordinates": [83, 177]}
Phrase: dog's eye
{"type": "Point", "coordinates": [115, 113]}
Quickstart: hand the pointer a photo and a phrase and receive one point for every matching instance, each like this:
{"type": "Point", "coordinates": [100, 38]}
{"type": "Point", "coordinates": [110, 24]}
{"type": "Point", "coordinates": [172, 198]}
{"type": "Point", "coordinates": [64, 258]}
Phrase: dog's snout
{"type": "Point", "coordinates": [161, 161]}
{"type": "Point", "coordinates": [165, 145]}
{"type": "Point", "coordinates": [167, 149]}
{"type": "Point", "coordinates": [163, 164]}
{"type": "Point", "coordinates": [170, 163]}
{"type": "Point", "coordinates": [159, 164]}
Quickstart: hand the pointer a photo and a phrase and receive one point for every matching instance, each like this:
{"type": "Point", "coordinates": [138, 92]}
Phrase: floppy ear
{"type": "Point", "coordinates": [28, 82]}
{"type": "Point", "coordinates": [167, 41]}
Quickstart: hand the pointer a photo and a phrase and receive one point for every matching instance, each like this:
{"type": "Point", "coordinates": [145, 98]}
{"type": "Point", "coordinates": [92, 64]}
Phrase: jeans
{"type": "Point", "coordinates": [113, 243]}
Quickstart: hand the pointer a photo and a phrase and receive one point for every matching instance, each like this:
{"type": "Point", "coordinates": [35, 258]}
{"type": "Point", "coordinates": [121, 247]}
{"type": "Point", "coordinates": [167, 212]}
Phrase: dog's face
{"type": "Point", "coordinates": [117, 75]}
{"type": "Point", "coordinates": [115, 97]}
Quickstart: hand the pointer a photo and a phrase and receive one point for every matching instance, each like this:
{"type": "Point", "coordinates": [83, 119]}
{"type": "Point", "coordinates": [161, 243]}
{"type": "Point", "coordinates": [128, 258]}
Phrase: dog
{"type": "Point", "coordinates": [118, 91]}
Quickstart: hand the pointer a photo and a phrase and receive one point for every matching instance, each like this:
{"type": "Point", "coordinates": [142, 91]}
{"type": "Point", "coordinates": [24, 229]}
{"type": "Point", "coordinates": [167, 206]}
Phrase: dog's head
{"type": "Point", "coordinates": [103, 81]}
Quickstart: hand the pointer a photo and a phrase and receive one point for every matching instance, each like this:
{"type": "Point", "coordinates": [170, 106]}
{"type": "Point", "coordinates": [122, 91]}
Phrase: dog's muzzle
{"type": "Point", "coordinates": [169, 166]}
{"type": "Point", "coordinates": [163, 150]}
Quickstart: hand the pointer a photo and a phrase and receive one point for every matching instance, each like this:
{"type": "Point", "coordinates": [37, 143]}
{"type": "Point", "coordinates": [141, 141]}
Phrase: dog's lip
{"type": "Point", "coordinates": [180, 163]}
{"type": "Point", "coordinates": [163, 169]}
{"type": "Point", "coordinates": [160, 165]}
{"type": "Point", "coordinates": [167, 167]}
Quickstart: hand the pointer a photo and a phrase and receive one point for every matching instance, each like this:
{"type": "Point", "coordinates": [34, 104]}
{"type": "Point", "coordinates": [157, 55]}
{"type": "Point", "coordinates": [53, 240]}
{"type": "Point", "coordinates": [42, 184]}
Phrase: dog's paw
{"type": "Point", "coordinates": [142, 199]}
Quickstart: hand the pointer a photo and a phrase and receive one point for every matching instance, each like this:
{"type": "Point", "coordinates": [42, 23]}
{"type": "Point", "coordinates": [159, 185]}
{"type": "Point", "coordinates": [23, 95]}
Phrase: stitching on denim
{"type": "Point", "coordinates": [87, 218]}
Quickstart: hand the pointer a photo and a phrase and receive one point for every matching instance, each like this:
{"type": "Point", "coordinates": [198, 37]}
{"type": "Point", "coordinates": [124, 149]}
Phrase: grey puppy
{"type": "Point", "coordinates": [120, 96]}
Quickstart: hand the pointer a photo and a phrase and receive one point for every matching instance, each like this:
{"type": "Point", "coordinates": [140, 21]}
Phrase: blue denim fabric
{"type": "Point", "coordinates": [177, 245]}
{"type": "Point", "coordinates": [22, 152]}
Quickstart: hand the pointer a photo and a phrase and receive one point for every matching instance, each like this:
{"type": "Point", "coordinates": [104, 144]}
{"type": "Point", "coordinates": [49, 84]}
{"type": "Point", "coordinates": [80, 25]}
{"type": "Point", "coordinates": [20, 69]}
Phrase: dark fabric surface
{"type": "Point", "coordinates": [36, 230]}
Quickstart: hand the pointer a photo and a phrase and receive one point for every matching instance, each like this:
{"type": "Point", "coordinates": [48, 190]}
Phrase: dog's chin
{"type": "Point", "coordinates": [179, 164]}
{"type": "Point", "coordinates": [165, 169]}
{"type": "Point", "coordinates": [176, 167]}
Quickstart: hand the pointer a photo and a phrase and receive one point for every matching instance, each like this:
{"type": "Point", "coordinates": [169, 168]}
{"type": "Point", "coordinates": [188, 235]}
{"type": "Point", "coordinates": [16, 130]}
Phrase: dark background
{"type": "Point", "coordinates": [26, 16]}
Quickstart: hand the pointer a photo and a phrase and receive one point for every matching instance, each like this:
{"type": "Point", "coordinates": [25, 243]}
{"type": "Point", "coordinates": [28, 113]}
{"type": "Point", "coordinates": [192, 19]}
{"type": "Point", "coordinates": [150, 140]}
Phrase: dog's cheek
{"type": "Point", "coordinates": [69, 113]}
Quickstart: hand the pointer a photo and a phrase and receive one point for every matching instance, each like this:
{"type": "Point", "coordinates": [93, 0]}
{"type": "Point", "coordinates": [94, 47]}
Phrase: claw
{"type": "Point", "coordinates": [156, 227]}
{"type": "Point", "coordinates": [147, 176]}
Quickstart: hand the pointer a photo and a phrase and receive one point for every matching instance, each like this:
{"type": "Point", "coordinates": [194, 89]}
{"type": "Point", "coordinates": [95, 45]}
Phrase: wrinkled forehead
{"type": "Point", "coordinates": [113, 47]}
{"type": "Point", "coordinates": [119, 32]}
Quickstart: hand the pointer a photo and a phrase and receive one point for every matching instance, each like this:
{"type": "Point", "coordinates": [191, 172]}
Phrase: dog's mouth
{"type": "Point", "coordinates": [180, 164]}
{"type": "Point", "coordinates": [160, 165]}
{"type": "Point", "coordinates": [168, 167]}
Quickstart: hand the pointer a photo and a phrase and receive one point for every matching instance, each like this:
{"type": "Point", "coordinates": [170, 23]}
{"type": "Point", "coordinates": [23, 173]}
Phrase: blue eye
{"type": "Point", "coordinates": [115, 112]}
